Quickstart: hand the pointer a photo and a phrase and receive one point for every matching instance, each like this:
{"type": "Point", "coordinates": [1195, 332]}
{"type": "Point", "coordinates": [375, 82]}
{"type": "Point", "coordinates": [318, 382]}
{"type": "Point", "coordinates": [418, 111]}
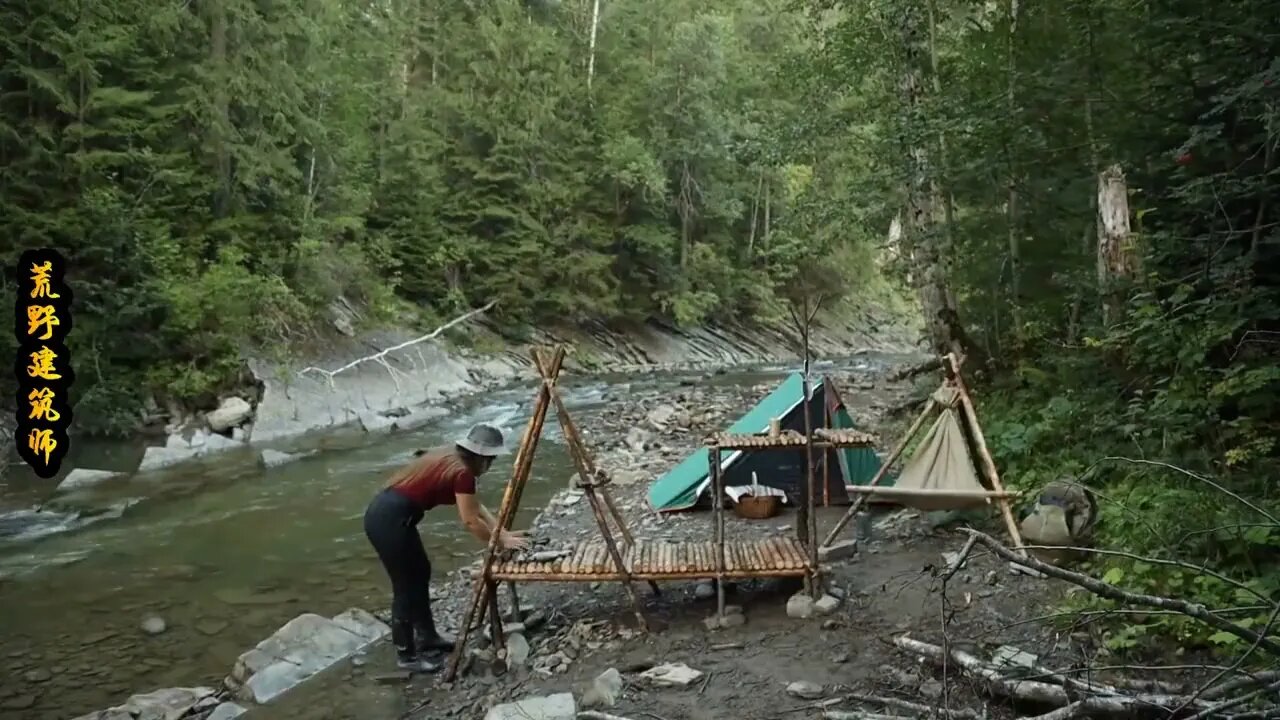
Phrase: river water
{"type": "Point", "coordinates": [225, 552]}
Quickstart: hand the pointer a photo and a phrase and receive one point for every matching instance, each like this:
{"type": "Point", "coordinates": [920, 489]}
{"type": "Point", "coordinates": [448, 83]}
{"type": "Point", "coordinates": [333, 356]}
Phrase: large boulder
{"type": "Point", "coordinates": [232, 412]}
{"type": "Point", "coordinates": [301, 648]}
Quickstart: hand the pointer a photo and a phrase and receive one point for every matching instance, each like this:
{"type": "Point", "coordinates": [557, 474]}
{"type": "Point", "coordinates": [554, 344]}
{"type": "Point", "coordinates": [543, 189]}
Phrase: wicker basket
{"type": "Point", "coordinates": [755, 507]}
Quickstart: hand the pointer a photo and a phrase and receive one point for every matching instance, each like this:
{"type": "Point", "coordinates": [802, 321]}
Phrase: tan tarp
{"type": "Point", "coordinates": [940, 465]}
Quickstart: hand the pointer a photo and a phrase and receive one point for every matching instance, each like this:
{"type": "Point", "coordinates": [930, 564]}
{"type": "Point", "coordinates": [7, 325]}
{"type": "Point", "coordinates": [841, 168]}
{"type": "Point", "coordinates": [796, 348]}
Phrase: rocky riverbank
{"type": "Point", "coordinates": [576, 646]}
{"type": "Point", "coordinates": [386, 381]}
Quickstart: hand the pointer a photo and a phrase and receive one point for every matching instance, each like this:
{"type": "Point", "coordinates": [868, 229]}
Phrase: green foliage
{"type": "Point", "coordinates": [220, 174]}
{"type": "Point", "coordinates": [1172, 363]}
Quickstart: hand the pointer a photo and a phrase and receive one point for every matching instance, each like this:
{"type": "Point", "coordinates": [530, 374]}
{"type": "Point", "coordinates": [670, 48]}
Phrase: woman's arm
{"type": "Point", "coordinates": [475, 518]}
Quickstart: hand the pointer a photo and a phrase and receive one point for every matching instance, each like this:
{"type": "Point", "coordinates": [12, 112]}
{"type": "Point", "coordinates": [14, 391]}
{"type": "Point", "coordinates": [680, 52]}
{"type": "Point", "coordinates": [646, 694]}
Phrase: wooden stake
{"type": "Point", "coordinates": [717, 505]}
{"type": "Point", "coordinates": [884, 470]}
{"type": "Point", "coordinates": [810, 500]}
{"type": "Point", "coordinates": [988, 465]}
{"type": "Point", "coordinates": [519, 476]}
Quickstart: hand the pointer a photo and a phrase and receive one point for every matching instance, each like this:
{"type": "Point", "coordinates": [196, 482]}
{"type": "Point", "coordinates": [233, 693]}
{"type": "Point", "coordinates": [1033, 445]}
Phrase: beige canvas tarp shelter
{"type": "Point", "coordinates": [940, 475]}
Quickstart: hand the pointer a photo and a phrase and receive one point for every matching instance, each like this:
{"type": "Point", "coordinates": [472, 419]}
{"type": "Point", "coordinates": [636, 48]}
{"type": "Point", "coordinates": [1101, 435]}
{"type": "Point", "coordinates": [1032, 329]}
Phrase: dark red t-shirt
{"type": "Point", "coordinates": [436, 481]}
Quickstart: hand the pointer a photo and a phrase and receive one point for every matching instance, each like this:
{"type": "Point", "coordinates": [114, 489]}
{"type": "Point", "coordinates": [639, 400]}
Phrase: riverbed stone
{"type": "Point", "coordinates": [81, 478]}
{"type": "Point", "coordinates": [301, 648]}
{"type": "Point", "coordinates": [227, 711]}
{"type": "Point", "coordinates": [165, 704]}
{"type": "Point", "coordinates": [604, 691]}
{"type": "Point", "coordinates": [153, 625]}
{"type": "Point", "coordinates": [560, 706]}
{"type": "Point", "coordinates": [672, 675]}
{"type": "Point", "coordinates": [800, 606]}
{"type": "Point", "coordinates": [231, 412]}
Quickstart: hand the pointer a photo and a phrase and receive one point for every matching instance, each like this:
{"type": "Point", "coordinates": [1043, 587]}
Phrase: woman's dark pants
{"type": "Point", "coordinates": [390, 523]}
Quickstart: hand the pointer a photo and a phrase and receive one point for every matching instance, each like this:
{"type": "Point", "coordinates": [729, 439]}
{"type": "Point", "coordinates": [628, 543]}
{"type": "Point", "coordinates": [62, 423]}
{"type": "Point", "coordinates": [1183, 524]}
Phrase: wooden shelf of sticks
{"type": "Point", "coordinates": [806, 541]}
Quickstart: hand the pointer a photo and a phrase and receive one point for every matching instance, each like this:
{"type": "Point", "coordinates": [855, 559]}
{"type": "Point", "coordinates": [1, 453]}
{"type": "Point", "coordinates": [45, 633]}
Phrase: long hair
{"type": "Point", "coordinates": [451, 460]}
{"type": "Point", "coordinates": [445, 456]}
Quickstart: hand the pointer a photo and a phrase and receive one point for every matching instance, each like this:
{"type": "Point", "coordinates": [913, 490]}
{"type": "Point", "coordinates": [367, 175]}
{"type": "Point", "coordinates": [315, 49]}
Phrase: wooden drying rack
{"type": "Point", "coordinates": [608, 560]}
{"type": "Point", "coordinates": [806, 541]}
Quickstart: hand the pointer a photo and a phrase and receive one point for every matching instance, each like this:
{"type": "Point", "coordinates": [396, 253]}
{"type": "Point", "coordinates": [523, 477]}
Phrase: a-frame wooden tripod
{"type": "Point", "coordinates": [592, 482]}
{"type": "Point", "coordinates": [951, 379]}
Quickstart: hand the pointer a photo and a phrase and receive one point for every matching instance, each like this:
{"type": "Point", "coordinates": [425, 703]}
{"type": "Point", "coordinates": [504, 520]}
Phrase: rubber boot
{"type": "Point", "coordinates": [429, 638]}
{"type": "Point", "coordinates": [406, 655]}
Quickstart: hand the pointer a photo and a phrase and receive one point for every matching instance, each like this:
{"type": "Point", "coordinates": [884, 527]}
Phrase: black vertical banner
{"type": "Point", "coordinates": [41, 322]}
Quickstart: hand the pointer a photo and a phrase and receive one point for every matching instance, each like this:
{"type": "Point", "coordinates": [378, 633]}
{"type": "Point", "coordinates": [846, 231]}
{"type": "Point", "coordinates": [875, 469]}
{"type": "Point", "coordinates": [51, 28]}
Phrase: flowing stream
{"type": "Point", "coordinates": [225, 552]}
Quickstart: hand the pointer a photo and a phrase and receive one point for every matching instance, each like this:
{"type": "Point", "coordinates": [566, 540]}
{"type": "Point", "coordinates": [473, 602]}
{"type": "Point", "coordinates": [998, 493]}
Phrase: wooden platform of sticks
{"type": "Point", "coordinates": [790, 439]}
{"type": "Point", "coordinates": [663, 560]}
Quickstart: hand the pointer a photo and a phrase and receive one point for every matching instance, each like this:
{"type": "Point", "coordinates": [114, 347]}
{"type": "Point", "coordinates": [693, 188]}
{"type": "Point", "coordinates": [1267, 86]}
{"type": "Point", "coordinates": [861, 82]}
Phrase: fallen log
{"type": "Point", "coordinates": [1111, 592]}
{"type": "Point", "coordinates": [860, 715]}
{"type": "Point", "coordinates": [597, 715]}
{"type": "Point", "coordinates": [1106, 701]}
{"type": "Point", "coordinates": [915, 707]}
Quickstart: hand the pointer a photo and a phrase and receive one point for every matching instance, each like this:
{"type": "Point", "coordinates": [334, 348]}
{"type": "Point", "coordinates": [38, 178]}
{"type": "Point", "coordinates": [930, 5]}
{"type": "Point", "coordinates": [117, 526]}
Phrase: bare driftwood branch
{"type": "Point", "coordinates": [860, 715]}
{"type": "Point", "coordinates": [1200, 569]}
{"type": "Point", "coordinates": [1105, 702]}
{"type": "Point", "coordinates": [1200, 478]}
{"type": "Point", "coordinates": [915, 707]}
{"type": "Point", "coordinates": [1240, 683]}
{"type": "Point", "coordinates": [1111, 592]}
{"type": "Point", "coordinates": [1236, 702]}
{"type": "Point", "coordinates": [381, 356]}
{"type": "Point", "coordinates": [1240, 661]}
{"type": "Point", "coordinates": [596, 715]}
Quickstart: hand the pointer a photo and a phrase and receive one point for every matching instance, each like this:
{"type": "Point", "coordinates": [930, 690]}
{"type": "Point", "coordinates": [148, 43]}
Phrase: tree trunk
{"type": "Point", "coordinates": [1117, 256]}
{"type": "Point", "coordinates": [1011, 210]}
{"type": "Point", "coordinates": [591, 52]}
{"type": "Point", "coordinates": [755, 213]}
{"type": "Point", "coordinates": [919, 231]}
{"type": "Point", "coordinates": [221, 125]}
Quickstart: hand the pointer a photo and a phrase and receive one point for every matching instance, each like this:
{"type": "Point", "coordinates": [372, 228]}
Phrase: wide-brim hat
{"type": "Point", "coordinates": [484, 440]}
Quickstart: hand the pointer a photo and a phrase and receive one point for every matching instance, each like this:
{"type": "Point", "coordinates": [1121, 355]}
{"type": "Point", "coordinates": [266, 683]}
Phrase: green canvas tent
{"type": "Point", "coordinates": [686, 483]}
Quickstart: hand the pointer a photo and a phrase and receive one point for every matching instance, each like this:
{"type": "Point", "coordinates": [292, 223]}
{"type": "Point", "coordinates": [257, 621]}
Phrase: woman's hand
{"type": "Point", "coordinates": [513, 540]}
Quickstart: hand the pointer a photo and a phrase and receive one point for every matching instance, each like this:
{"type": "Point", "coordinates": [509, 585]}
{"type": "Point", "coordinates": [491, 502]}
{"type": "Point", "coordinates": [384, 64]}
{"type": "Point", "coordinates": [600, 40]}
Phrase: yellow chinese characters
{"type": "Point", "coordinates": [38, 315]}
{"type": "Point", "coordinates": [41, 401]}
{"type": "Point", "coordinates": [45, 300]}
{"type": "Point", "coordinates": [40, 287]}
{"type": "Point", "coordinates": [42, 441]}
{"type": "Point", "coordinates": [42, 364]}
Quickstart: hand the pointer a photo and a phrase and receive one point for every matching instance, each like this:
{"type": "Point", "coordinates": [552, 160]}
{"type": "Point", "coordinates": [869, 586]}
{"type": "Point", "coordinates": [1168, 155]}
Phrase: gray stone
{"type": "Point", "coordinates": [672, 675]}
{"type": "Point", "coordinates": [166, 704]}
{"type": "Point", "coordinates": [605, 690]}
{"type": "Point", "coordinates": [155, 458]}
{"type": "Point", "coordinates": [1010, 656]}
{"type": "Point", "coordinates": [826, 604]}
{"type": "Point", "coordinates": [231, 412]}
{"type": "Point", "coordinates": [274, 458]}
{"type": "Point", "coordinates": [517, 650]}
{"type": "Point", "coordinates": [560, 706]}
{"type": "Point", "coordinates": [227, 711]}
{"type": "Point", "coordinates": [838, 551]}
{"type": "Point", "coordinates": [805, 690]}
{"type": "Point", "coordinates": [800, 606]}
{"type": "Point", "coordinates": [704, 591]}
{"type": "Point", "coordinates": [301, 648]}
{"type": "Point", "coordinates": [81, 478]}
{"type": "Point", "coordinates": [153, 625]}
